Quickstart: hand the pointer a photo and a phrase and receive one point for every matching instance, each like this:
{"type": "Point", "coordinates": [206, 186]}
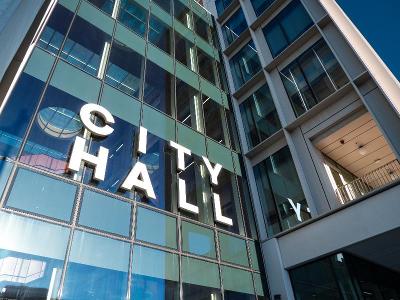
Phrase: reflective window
{"type": "Point", "coordinates": [260, 119]}
{"type": "Point", "coordinates": [287, 27]}
{"type": "Point", "coordinates": [105, 213]}
{"type": "Point", "coordinates": [185, 51]}
{"type": "Point", "coordinates": [214, 120]}
{"type": "Point", "coordinates": [161, 167]}
{"type": "Point", "coordinates": [155, 228]}
{"type": "Point", "coordinates": [17, 112]}
{"type": "Point", "coordinates": [282, 198]}
{"type": "Point", "coordinates": [238, 284]}
{"type": "Point", "coordinates": [188, 106]}
{"type": "Point", "coordinates": [255, 255]}
{"type": "Point", "coordinates": [155, 274]}
{"type": "Point", "coordinates": [221, 5]}
{"type": "Point", "coordinates": [260, 5]}
{"type": "Point", "coordinates": [84, 46]}
{"type": "Point", "coordinates": [160, 34]}
{"type": "Point", "coordinates": [5, 169]}
{"type": "Point", "coordinates": [125, 69]}
{"type": "Point", "coordinates": [200, 280]}
{"type": "Point", "coordinates": [42, 195]}
{"type": "Point", "coordinates": [159, 87]}
{"type": "Point", "coordinates": [234, 138]}
{"type": "Point", "coordinates": [164, 4]}
{"type": "Point", "coordinates": [201, 27]}
{"type": "Point", "coordinates": [105, 5]}
{"type": "Point", "coordinates": [133, 16]}
{"type": "Point", "coordinates": [182, 13]}
{"type": "Point", "coordinates": [245, 64]}
{"type": "Point", "coordinates": [56, 28]}
{"type": "Point", "coordinates": [198, 240]}
{"type": "Point", "coordinates": [312, 77]}
{"type": "Point", "coordinates": [53, 132]}
{"type": "Point", "coordinates": [105, 274]}
{"type": "Point", "coordinates": [234, 26]}
{"type": "Point", "coordinates": [31, 257]}
{"type": "Point", "coordinates": [248, 215]}
{"type": "Point", "coordinates": [207, 68]}
{"type": "Point", "coordinates": [233, 249]}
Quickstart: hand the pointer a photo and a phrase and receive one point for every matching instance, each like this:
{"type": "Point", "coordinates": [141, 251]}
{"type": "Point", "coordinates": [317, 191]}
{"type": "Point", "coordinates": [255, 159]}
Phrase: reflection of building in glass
{"type": "Point", "coordinates": [20, 270]}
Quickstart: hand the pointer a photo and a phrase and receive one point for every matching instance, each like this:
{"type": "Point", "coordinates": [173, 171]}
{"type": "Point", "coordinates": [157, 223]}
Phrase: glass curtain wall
{"type": "Point", "coordinates": [234, 26]}
{"type": "Point", "coordinates": [260, 5]}
{"type": "Point", "coordinates": [312, 77]}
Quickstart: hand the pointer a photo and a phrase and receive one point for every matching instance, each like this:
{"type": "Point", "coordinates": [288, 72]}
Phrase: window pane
{"type": "Point", "coordinates": [105, 5]}
{"type": "Point", "coordinates": [259, 116]}
{"type": "Point", "coordinates": [281, 193]}
{"type": "Point", "coordinates": [161, 167]}
{"type": "Point", "coordinates": [233, 249]}
{"type": "Point", "coordinates": [159, 87]}
{"type": "Point", "coordinates": [200, 280]}
{"type": "Point", "coordinates": [105, 213]}
{"type": "Point", "coordinates": [5, 169]}
{"type": "Point", "coordinates": [188, 106]}
{"type": "Point", "coordinates": [245, 64]}
{"type": "Point", "coordinates": [198, 240]}
{"type": "Point", "coordinates": [84, 46]}
{"type": "Point", "coordinates": [185, 52]}
{"type": "Point", "coordinates": [214, 121]}
{"type": "Point", "coordinates": [276, 38]}
{"type": "Point", "coordinates": [125, 69]}
{"type": "Point", "coordinates": [238, 284]}
{"type": "Point", "coordinates": [42, 195]}
{"type": "Point", "coordinates": [182, 13]}
{"type": "Point", "coordinates": [53, 133]}
{"type": "Point", "coordinates": [105, 274]}
{"type": "Point", "coordinates": [133, 16]}
{"type": "Point", "coordinates": [201, 27]}
{"type": "Point", "coordinates": [164, 4]}
{"type": "Point", "coordinates": [32, 253]}
{"type": "Point", "coordinates": [234, 26]}
{"type": "Point", "coordinates": [221, 5]}
{"type": "Point", "coordinates": [207, 68]}
{"type": "Point", "coordinates": [16, 114]}
{"type": "Point", "coordinates": [56, 28]}
{"type": "Point", "coordinates": [146, 223]}
{"type": "Point", "coordinates": [160, 34]}
{"type": "Point", "coordinates": [155, 274]}
{"type": "Point", "coordinates": [260, 5]}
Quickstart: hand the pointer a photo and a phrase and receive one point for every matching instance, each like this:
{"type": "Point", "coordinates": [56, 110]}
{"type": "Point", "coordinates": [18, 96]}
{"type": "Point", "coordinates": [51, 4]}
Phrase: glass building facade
{"type": "Point", "coordinates": [66, 235]}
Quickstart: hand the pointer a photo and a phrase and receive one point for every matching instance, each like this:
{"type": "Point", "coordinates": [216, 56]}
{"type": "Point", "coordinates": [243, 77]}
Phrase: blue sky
{"type": "Point", "coordinates": [379, 22]}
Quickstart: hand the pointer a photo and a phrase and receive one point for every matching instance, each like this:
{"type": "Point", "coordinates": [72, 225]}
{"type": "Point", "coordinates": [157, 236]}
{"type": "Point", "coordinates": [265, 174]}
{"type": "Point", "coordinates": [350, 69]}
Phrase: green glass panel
{"type": "Point", "coordinates": [198, 272]}
{"type": "Point", "coordinates": [144, 3]}
{"type": "Point", "coordinates": [155, 228]}
{"type": "Point", "coordinates": [258, 284]}
{"type": "Point", "coordinates": [155, 263]}
{"type": "Point", "coordinates": [203, 45]}
{"type": "Point", "coordinates": [105, 213]}
{"type": "Point", "coordinates": [96, 17]}
{"type": "Point", "coordinates": [233, 249]}
{"type": "Point", "coordinates": [236, 163]}
{"type": "Point", "coordinates": [75, 82]}
{"type": "Point", "coordinates": [225, 100]}
{"type": "Point", "coordinates": [161, 14]}
{"type": "Point", "coordinates": [5, 169]}
{"type": "Point", "coordinates": [39, 64]}
{"type": "Point", "coordinates": [187, 75]}
{"type": "Point", "coordinates": [109, 253]}
{"type": "Point", "coordinates": [201, 12]}
{"type": "Point", "coordinates": [198, 240]}
{"type": "Point", "coordinates": [70, 4]}
{"type": "Point", "coordinates": [130, 39]}
{"type": "Point", "coordinates": [253, 255]}
{"type": "Point", "coordinates": [184, 31]}
{"type": "Point", "coordinates": [29, 236]}
{"type": "Point", "coordinates": [191, 140]}
{"type": "Point", "coordinates": [158, 123]}
{"type": "Point", "coordinates": [121, 105]}
{"type": "Point", "coordinates": [237, 280]}
{"type": "Point", "coordinates": [220, 154]}
{"type": "Point", "coordinates": [160, 58]}
{"type": "Point", "coordinates": [211, 91]}
{"type": "Point", "coordinates": [42, 195]}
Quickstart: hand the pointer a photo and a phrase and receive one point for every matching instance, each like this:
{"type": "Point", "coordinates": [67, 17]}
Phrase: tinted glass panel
{"type": "Point", "coordinates": [125, 69]}
{"type": "Point", "coordinates": [238, 284]}
{"type": "Point", "coordinates": [105, 274]}
{"type": "Point", "coordinates": [221, 5]}
{"type": "Point", "coordinates": [234, 26]}
{"type": "Point", "coordinates": [159, 87]}
{"type": "Point", "coordinates": [160, 34]}
{"type": "Point", "coordinates": [214, 120]}
{"type": "Point", "coordinates": [260, 5]}
{"type": "Point", "coordinates": [198, 240]}
{"type": "Point", "coordinates": [42, 195]}
{"type": "Point", "coordinates": [84, 46]}
{"type": "Point", "coordinates": [133, 16]}
{"type": "Point", "coordinates": [155, 274]}
{"type": "Point", "coordinates": [259, 116]}
{"type": "Point", "coordinates": [56, 28]}
{"type": "Point", "coordinates": [207, 67]}
{"type": "Point", "coordinates": [233, 249]}
{"type": "Point", "coordinates": [105, 5]}
{"type": "Point", "coordinates": [185, 51]}
{"type": "Point", "coordinates": [278, 185]}
{"type": "Point", "coordinates": [164, 4]}
{"type": "Point", "coordinates": [188, 106]}
{"type": "Point", "coordinates": [182, 13]}
{"type": "Point", "coordinates": [201, 27]}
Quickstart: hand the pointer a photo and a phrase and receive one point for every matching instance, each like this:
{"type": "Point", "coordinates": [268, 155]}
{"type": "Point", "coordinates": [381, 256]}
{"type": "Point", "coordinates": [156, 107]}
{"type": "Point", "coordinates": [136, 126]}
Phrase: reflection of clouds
{"type": "Point", "coordinates": [21, 270]}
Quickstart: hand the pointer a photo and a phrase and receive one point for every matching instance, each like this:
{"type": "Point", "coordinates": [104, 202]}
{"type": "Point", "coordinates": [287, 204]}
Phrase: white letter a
{"type": "Point", "coordinates": [143, 184]}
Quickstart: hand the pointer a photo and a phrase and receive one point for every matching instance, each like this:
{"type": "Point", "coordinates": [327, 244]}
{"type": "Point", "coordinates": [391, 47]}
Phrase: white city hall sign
{"type": "Point", "coordinates": [138, 177]}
